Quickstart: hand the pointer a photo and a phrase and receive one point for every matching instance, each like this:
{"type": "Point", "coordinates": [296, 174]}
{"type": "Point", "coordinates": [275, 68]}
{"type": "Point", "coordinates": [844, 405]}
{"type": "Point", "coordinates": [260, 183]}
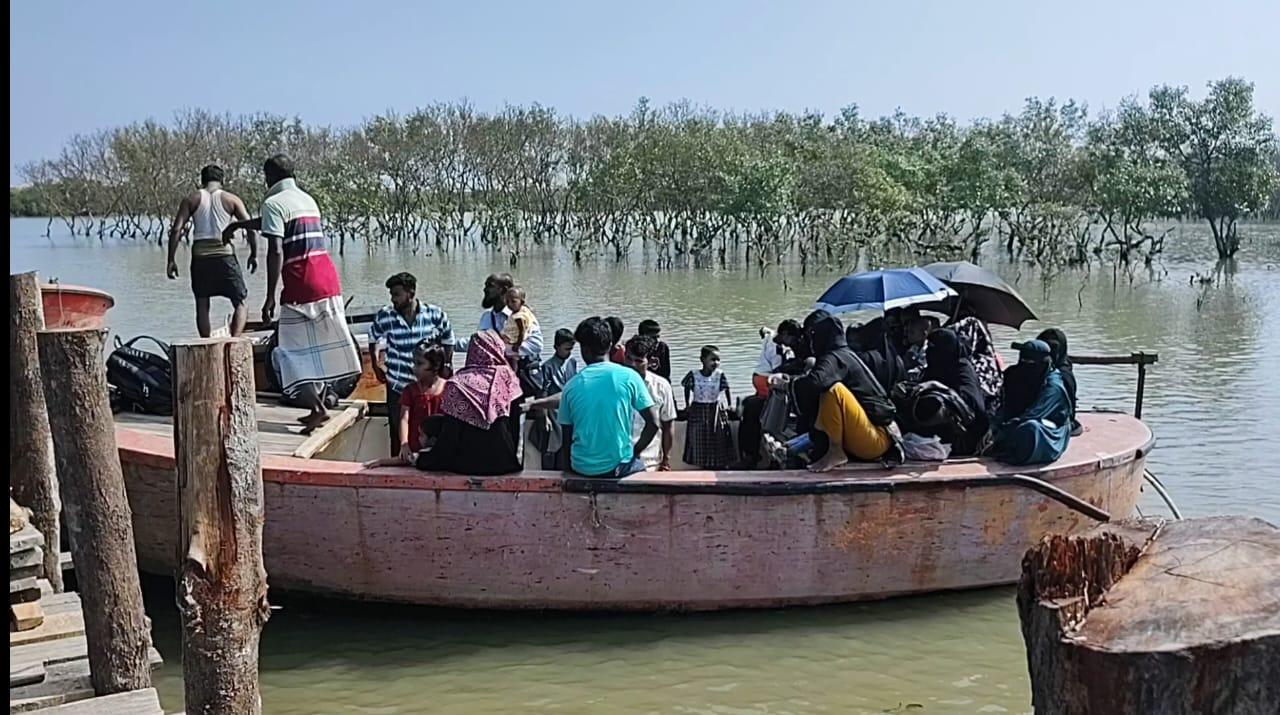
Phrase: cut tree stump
{"type": "Point", "coordinates": [99, 523]}
{"type": "Point", "coordinates": [1142, 617]}
{"type": "Point", "coordinates": [221, 580]}
{"type": "Point", "coordinates": [32, 479]}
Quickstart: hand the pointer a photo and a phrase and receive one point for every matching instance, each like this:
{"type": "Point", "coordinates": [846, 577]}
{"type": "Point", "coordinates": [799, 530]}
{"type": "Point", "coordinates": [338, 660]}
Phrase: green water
{"type": "Point", "coordinates": [1213, 401]}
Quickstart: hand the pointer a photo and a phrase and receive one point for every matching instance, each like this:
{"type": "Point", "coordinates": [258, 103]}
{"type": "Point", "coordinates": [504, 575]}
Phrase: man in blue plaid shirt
{"type": "Point", "coordinates": [396, 331]}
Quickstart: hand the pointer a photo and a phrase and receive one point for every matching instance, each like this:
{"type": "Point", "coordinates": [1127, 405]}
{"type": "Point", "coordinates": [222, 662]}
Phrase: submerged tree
{"type": "Point", "coordinates": [699, 187]}
{"type": "Point", "coordinates": [1226, 149]}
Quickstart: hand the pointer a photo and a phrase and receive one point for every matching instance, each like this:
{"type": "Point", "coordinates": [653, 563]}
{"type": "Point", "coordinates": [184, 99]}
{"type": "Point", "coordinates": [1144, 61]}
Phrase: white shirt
{"type": "Point", "coordinates": [664, 398]}
{"type": "Point", "coordinates": [772, 355]}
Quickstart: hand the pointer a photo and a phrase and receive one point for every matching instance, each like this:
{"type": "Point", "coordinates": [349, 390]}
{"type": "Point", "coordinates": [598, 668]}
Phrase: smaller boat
{"type": "Point", "coordinates": [68, 306]}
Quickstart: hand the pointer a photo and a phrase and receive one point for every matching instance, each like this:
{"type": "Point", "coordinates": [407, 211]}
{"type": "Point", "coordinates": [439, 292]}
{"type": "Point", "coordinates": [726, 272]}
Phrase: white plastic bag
{"type": "Point", "coordinates": [924, 449]}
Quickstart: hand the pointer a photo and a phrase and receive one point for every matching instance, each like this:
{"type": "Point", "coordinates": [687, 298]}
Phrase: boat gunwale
{"type": "Point", "coordinates": [153, 450]}
{"type": "Point", "coordinates": [82, 290]}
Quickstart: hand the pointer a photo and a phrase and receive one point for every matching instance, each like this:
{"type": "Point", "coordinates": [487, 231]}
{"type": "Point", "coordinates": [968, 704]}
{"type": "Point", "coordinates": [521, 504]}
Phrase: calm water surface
{"type": "Point", "coordinates": [1213, 401]}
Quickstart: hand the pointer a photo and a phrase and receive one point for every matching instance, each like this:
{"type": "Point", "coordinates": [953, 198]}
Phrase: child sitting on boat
{"type": "Point", "coordinates": [421, 399]}
{"type": "Point", "coordinates": [708, 441]}
{"type": "Point", "coordinates": [520, 323]}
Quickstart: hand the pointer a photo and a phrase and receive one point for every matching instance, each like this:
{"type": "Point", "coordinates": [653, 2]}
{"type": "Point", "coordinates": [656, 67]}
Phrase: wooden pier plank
{"type": "Point", "coordinates": [24, 540]}
{"type": "Point", "coordinates": [63, 683]}
{"type": "Point", "coordinates": [133, 702]}
{"type": "Point", "coordinates": [57, 625]}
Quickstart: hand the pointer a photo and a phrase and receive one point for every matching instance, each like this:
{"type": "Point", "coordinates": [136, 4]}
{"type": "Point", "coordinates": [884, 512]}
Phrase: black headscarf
{"type": "Point", "coordinates": [947, 361]}
{"type": "Point", "coordinates": [871, 342]}
{"type": "Point", "coordinates": [1024, 381]}
{"type": "Point", "coordinates": [1057, 341]}
{"type": "Point", "coordinates": [835, 362]}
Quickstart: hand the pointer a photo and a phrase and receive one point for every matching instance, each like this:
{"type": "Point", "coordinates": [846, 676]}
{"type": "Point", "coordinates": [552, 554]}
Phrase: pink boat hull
{"type": "Point", "coordinates": [666, 541]}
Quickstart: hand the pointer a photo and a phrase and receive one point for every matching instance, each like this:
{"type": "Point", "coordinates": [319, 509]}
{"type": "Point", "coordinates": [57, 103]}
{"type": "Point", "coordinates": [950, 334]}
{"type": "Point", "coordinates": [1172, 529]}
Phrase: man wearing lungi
{"type": "Point", "coordinates": [315, 345]}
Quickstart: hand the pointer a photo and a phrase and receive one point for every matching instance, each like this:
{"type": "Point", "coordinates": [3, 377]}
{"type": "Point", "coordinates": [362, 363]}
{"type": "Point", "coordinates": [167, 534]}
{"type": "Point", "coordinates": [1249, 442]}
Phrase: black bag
{"type": "Point", "coordinates": [142, 381]}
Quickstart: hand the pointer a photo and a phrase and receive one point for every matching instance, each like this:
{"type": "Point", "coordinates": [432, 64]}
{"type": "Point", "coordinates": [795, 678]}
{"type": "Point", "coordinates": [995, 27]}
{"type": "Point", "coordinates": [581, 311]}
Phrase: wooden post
{"type": "Point", "coordinates": [96, 509]}
{"type": "Point", "coordinates": [32, 480]}
{"type": "Point", "coordinates": [222, 583]}
{"type": "Point", "coordinates": [1144, 617]}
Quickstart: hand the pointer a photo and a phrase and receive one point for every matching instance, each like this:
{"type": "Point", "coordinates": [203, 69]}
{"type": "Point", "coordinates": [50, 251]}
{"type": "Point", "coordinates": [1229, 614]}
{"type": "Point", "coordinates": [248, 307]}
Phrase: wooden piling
{"type": "Point", "coordinates": [32, 480]}
{"type": "Point", "coordinates": [96, 509]}
{"type": "Point", "coordinates": [222, 583]}
{"type": "Point", "coordinates": [1142, 617]}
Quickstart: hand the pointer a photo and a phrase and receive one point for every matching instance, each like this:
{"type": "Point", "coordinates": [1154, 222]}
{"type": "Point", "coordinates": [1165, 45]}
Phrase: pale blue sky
{"type": "Point", "coordinates": [77, 66]}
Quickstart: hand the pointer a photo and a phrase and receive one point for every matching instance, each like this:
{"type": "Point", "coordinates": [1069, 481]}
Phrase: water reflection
{"type": "Point", "coordinates": [1213, 401]}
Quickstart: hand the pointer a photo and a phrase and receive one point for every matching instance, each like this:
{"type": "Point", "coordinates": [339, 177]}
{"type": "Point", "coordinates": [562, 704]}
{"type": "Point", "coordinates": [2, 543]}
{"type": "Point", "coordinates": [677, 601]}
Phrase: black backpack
{"type": "Point", "coordinates": [140, 381]}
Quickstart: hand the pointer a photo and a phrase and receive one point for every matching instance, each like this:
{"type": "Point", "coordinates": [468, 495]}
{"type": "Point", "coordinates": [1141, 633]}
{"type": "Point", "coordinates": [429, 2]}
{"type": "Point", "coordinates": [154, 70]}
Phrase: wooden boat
{"type": "Point", "coordinates": [68, 306]}
{"type": "Point", "coordinates": [682, 540]}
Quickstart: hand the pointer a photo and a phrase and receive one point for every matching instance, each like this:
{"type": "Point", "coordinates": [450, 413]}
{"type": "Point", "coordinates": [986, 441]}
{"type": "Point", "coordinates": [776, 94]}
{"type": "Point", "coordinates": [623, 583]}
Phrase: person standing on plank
{"type": "Point", "coordinates": [214, 270]}
{"type": "Point", "coordinates": [315, 345]}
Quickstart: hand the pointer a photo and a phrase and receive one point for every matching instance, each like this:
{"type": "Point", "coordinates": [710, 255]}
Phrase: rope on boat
{"type": "Point", "coordinates": [1158, 485]}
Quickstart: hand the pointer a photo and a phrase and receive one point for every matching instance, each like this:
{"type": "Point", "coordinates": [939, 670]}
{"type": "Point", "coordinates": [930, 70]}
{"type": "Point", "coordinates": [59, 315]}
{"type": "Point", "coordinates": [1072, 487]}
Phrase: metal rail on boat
{"type": "Point", "coordinates": [584, 485]}
{"type": "Point", "coordinates": [1141, 359]}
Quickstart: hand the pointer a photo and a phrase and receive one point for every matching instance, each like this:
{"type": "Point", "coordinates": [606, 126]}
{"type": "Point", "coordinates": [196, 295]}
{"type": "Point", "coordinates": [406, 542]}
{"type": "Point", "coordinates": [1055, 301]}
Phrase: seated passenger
{"type": "Point", "coordinates": [640, 351]}
{"type": "Point", "coordinates": [421, 399]}
{"type": "Point", "coordinates": [875, 347]}
{"type": "Point", "coordinates": [976, 338]}
{"type": "Point", "coordinates": [777, 349]}
{"type": "Point", "coordinates": [1034, 422]}
{"type": "Point", "coordinates": [596, 410]}
{"type": "Point", "coordinates": [473, 434]}
{"type": "Point", "coordinates": [1057, 341]}
{"type": "Point", "coordinates": [840, 403]}
{"type": "Point", "coordinates": [948, 403]}
{"type": "Point", "coordinates": [553, 375]}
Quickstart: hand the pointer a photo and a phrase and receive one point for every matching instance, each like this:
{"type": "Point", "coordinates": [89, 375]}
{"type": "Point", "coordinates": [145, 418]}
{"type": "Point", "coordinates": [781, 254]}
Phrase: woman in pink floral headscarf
{"type": "Point", "coordinates": [473, 435]}
{"type": "Point", "coordinates": [483, 390]}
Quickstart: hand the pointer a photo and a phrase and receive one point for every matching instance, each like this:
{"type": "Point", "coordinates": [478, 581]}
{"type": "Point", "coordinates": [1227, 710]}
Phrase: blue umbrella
{"type": "Point", "coordinates": [883, 290]}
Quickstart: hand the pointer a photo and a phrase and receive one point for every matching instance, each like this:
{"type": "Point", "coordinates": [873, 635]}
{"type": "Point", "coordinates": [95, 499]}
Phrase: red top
{"type": "Point", "coordinates": [618, 354]}
{"type": "Point", "coordinates": [421, 405]}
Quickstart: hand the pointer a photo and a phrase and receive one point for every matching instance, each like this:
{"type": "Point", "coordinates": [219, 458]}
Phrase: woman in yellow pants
{"type": "Point", "coordinates": [849, 431]}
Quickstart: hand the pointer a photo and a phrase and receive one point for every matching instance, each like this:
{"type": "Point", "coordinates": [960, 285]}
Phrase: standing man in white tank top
{"type": "Point", "coordinates": [214, 270]}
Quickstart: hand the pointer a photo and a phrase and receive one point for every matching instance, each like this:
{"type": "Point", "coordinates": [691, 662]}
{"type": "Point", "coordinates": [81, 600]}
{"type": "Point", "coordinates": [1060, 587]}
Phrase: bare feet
{"type": "Point", "coordinates": [835, 457]}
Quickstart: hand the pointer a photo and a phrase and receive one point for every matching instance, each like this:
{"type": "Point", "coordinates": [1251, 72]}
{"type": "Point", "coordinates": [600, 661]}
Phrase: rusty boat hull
{"type": "Point", "coordinates": [682, 540]}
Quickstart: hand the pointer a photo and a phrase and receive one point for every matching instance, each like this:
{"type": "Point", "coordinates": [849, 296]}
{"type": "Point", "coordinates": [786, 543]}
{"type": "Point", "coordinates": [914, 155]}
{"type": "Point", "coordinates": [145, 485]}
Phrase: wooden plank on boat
{"type": "Point", "coordinates": [133, 702]}
{"type": "Point", "coordinates": [52, 627]}
{"type": "Point", "coordinates": [330, 430]}
{"type": "Point", "coordinates": [1182, 617]}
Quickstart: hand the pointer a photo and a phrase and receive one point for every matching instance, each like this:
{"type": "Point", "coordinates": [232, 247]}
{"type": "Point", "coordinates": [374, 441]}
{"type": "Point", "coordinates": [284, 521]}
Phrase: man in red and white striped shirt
{"type": "Point", "coordinates": [315, 344]}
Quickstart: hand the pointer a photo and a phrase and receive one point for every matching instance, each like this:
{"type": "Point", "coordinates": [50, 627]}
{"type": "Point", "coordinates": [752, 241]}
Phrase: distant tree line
{"type": "Point", "coordinates": [1049, 184]}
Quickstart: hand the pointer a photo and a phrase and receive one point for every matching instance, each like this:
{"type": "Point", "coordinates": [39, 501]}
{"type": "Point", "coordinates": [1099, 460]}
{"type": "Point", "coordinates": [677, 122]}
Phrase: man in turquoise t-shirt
{"type": "Point", "coordinates": [596, 408]}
